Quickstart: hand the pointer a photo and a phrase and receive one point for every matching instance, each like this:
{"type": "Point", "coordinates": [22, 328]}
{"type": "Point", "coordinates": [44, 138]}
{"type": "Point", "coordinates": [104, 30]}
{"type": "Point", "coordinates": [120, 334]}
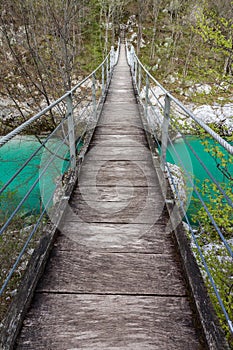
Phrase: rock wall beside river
{"type": "Point", "coordinates": [221, 116]}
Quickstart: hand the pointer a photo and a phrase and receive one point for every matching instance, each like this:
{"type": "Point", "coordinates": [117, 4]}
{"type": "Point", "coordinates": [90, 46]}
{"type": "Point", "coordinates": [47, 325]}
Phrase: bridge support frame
{"type": "Point", "coordinates": [165, 127]}
{"type": "Point", "coordinates": [132, 56]}
{"type": "Point", "coordinates": [139, 78]}
{"type": "Point", "coordinates": [112, 58]}
{"type": "Point", "coordinates": [147, 96]}
{"type": "Point", "coordinates": [107, 70]}
{"type": "Point", "coordinates": [103, 80]}
{"type": "Point", "coordinates": [94, 96]}
{"type": "Point", "coordinates": [69, 102]}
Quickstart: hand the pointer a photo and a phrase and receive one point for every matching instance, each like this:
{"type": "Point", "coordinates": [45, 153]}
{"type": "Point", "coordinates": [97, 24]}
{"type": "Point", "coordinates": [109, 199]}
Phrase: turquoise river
{"type": "Point", "coordinates": [15, 153]}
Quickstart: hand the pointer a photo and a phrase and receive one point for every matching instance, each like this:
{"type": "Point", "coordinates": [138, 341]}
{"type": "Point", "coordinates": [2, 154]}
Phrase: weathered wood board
{"type": "Point", "coordinates": [108, 322]}
{"type": "Point", "coordinates": [119, 140]}
{"type": "Point", "coordinates": [99, 152]}
{"type": "Point", "coordinates": [116, 238]}
{"type": "Point", "coordinates": [111, 129]}
{"type": "Point", "coordinates": [108, 273]}
{"type": "Point", "coordinates": [107, 173]}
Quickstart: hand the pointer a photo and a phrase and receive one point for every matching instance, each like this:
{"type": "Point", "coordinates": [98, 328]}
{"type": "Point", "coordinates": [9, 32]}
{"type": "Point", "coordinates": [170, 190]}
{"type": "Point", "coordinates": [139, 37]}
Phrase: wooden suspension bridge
{"type": "Point", "coordinates": [115, 277]}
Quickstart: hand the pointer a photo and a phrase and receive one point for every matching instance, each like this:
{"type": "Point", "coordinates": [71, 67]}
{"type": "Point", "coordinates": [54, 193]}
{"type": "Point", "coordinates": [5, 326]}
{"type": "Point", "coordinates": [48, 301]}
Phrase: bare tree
{"type": "Point", "coordinates": [155, 12]}
{"type": "Point", "coordinates": [39, 44]}
{"type": "Point", "coordinates": [111, 13]}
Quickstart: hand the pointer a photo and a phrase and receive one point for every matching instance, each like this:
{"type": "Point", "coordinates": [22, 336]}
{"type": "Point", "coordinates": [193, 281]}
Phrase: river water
{"type": "Point", "coordinates": [15, 153]}
{"type": "Point", "coordinates": [182, 155]}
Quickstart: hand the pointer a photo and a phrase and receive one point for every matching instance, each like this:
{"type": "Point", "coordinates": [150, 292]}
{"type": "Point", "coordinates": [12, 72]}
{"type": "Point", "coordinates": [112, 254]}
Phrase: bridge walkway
{"type": "Point", "coordinates": [114, 279]}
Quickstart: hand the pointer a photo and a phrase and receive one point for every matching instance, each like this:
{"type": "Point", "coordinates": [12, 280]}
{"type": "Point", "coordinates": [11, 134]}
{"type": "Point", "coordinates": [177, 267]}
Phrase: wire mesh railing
{"type": "Point", "coordinates": [36, 168]}
{"type": "Point", "coordinates": [198, 163]}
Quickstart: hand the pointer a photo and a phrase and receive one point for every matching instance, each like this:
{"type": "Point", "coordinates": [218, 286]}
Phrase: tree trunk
{"type": "Point", "coordinates": [156, 5]}
{"type": "Point", "coordinates": [140, 24]}
{"type": "Point", "coordinates": [228, 65]}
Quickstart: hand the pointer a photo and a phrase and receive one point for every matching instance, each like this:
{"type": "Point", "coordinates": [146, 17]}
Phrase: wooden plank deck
{"type": "Point", "coordinates": [113, 280]}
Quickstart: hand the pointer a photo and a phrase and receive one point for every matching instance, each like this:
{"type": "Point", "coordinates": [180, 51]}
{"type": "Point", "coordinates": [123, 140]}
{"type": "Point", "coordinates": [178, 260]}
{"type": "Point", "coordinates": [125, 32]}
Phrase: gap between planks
{"type": "Point", "coordinates": [60, 292]}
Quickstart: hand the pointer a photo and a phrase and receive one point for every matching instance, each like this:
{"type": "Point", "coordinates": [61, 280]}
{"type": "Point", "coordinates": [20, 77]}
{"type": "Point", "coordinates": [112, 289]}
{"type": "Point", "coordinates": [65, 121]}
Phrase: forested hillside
{"type": "Point", "coordinates": [47, 46]}
{"type": "Point", "coordinates": [185, 43]}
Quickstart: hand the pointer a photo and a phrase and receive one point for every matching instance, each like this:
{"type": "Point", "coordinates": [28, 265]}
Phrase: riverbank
{"type": "Point", "coordinates": [218, 116]}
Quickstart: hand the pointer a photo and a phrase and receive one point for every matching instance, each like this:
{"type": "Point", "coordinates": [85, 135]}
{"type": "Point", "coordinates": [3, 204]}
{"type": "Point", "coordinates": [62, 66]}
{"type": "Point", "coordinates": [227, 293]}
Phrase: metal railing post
{"type": "Point", "coordinates": [165, 126]}
{"type": "Point", "coordinates": [112, 59]}
{"type": "Point", "coordinates": [139, 78]}
{"type": "Point", "coordinates": [127, 50]}
{"type": "Point", "coordinates": [147, 96]}
{"type": "Point", "coordinates": [132, 58]}
{"type": "Point", "coordinates": [69, 104]}
{"type": "Point", "coordinates": [107, 70]}
{"type": "Point", "coordinates": [117, 51]}
{"type": "Point", "coordinates": [135, 73]}
{"type": "Point", "coordinates": [103, 80]}
{"type": "Point", "coordinates": [94, 95]}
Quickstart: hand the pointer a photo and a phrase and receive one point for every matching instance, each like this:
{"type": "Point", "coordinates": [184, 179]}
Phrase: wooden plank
{"type": "Point", "coordinates": [120, 91]}
{"type": "Point", "coordinates": [118, 197]}
{"type": "Point", "coordinates": [114, 273]}
{"type": "Point", "coordinates": [119, 140]}
{"type": "Point", "coordinates": [120, 173]}
{"type": "Point", "coordinates": [118, 153]}
{"type": "Point", "coordinates": [139, 238]}
{"type": "Point", "coordinates": [121, 85]}
{"type": "Point", "coordinates": [111, 129]}
{"type": "Point", "coordinates": [111, 104]}
{"type": "Point", "coordinates": [108, 194]}
{"type": "Point", "coordinates": [95, 322]}
{"type": "Point", "coordinates": [121, 112]}
{"type": "Point", "coordinates": [135, 197]}
{"type": "Point", "coordinates": [134, 168]}
{"type": "Point", "coordinates": [120, 122]}
{"type": "Point", "coordinates": [116, 120]}
{"type": "Point", "coordinates": [117, 95]}
{"type": "Point", "coordinates": [140, 209]}
{"type": "Point", "coordinates": [87, 214]}
{"type": "Point", "coordinates": [113, 207]}
{"type": "Point", "coordinates": [133, 201]}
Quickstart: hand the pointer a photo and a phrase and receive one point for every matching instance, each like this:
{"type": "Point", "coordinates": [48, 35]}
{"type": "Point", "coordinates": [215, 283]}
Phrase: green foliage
{"type": "Point", "coordinates": [182, 48]}
{"type": "Point", "coordinates": [215, 30]}
{"type": "Point", "coordinates": [219, 209]}
{"type": "Point", "coordinates": [11, 243]}
{"type": "Point", "coordinates": [7, 203]}
{"type": "Point", "coordinates": [220, 266]}
{"type": "Point", "coordinates": [222, 159]}
{"type": "Point", "coordinates": [216, 255]}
